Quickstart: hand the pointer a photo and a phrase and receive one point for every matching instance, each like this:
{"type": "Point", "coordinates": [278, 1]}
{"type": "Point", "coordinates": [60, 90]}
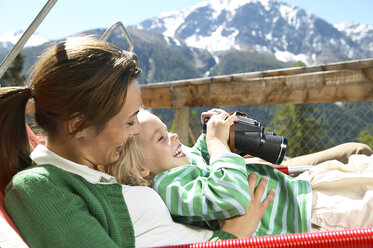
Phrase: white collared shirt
{"type": "Point", "coordinates": [151, 220]}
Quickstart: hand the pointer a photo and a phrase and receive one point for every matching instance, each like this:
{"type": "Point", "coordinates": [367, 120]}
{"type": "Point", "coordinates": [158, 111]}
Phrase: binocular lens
{"type": "Point", "coordinates": [273, 148]}
{"type": "Point", "coordinates": [264, 145]}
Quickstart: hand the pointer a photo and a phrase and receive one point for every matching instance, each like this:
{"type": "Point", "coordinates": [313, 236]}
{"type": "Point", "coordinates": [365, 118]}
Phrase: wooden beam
{"type": "Point", "coordinates": [157, 96]}
{"type": "Point", "coordinates": [242, 89]}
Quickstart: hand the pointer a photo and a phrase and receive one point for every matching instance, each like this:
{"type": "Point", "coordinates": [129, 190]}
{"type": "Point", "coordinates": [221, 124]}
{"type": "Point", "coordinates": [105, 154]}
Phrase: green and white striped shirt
{"type": "Point", "coordinates": [201, 193]}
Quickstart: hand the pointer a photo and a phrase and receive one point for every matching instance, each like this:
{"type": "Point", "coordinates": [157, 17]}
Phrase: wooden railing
{"type": "Point", "coordinates": [338, 82]}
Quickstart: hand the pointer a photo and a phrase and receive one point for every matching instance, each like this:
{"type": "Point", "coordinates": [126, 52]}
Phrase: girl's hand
{"type": "Point", "coordinates": [210, 113]}
{"type": "Point", "coordinates": [217, 132]}
{"type": "Point", "coordinates": [245, 225]}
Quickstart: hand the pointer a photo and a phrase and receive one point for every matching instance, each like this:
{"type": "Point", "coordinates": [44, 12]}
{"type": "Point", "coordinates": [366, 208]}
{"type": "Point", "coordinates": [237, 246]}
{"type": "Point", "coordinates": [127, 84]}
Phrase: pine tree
{"type": "Point", "coordinates": [366, 136]}
{"type": "Point", "coordinates": [303, 132]}
{"type": "Point", "coordinates": [13, 76]}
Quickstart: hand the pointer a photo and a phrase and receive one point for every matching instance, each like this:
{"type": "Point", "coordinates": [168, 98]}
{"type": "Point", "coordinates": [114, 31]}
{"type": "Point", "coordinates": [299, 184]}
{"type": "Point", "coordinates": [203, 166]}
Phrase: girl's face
{"type": "Point", "coordinates": [104, 148]}
{"type": "Point", "coordinates": [161, 149]}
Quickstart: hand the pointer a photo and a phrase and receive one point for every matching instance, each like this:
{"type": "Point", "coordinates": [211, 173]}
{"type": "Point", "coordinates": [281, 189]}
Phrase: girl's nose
{"type": "Point", "coordinates": [173, 136]}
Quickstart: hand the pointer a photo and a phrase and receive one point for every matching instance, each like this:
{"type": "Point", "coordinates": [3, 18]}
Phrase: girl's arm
{"type": "Point", "coordinates": [218, 192]}
{"type": "Point", "coordinates": [217, 132]}
{"type": "Point", "coordinates": [208, 192]}
{"type": "Point", "coordinates": [200, 147]}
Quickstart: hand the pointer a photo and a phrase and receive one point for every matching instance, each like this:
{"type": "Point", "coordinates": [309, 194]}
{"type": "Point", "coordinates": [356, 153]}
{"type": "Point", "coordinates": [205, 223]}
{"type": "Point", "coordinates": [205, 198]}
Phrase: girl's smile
{"type": "Point", "coordinates": [179, 152]}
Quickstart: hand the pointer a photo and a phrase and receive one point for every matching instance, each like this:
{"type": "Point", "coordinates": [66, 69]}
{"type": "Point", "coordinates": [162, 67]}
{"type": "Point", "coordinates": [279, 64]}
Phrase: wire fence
{"type": "Point", "coordinates": [307, 127]}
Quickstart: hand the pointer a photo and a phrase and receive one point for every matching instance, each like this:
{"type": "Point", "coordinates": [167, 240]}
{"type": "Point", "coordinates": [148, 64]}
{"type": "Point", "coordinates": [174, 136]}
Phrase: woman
{"type": "Point", "coordinates": [86, 100]}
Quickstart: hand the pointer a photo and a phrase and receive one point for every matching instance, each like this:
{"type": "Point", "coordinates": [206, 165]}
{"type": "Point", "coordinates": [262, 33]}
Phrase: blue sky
{"type": "Point", "coordinates": [72, 16]}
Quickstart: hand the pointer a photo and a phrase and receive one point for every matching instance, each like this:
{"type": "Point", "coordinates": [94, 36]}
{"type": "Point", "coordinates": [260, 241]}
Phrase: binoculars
{"type": "Point", "coordinates": [248, 136]}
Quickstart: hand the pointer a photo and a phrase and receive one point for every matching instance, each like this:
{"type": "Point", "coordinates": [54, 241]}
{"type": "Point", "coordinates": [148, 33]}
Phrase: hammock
{"type": "Point", "coordinates": [346, 238]}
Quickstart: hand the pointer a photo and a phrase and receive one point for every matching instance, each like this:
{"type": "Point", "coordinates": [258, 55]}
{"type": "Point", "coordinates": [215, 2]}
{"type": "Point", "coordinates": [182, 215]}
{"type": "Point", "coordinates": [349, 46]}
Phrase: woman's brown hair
{"type": "Point", "coordinates": [81, 76]}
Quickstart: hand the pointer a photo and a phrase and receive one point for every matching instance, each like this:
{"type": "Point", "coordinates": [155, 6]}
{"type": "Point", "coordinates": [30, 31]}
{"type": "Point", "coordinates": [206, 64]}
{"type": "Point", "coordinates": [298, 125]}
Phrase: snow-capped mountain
{"type": "Point", "coordinates": [9, 39]}
{"type": "Point", "coordinates": [362, 34]}
{"type": "Point", "coordinates": [268, 26]}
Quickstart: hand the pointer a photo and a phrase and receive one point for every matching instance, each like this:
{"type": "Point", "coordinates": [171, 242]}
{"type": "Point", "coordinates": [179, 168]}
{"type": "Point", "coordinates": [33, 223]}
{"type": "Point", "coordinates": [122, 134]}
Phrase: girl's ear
{"type": "Point", "coordinates": [144, 172]}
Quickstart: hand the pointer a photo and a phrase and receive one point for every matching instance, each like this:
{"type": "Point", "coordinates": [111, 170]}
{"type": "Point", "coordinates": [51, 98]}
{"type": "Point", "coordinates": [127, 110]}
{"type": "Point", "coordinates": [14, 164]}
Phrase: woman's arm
{"type": "Point", "coordinates": [245, 225]}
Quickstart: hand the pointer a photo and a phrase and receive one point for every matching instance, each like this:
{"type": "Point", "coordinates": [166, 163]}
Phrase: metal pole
{"type": "Point", "coordinates": [119, 25]}
{"type": "Point", "coordinates": [25, 36]}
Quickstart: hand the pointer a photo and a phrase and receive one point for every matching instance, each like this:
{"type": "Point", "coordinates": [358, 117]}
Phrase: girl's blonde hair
{"type": "Point", "coordinates": [127, 169]}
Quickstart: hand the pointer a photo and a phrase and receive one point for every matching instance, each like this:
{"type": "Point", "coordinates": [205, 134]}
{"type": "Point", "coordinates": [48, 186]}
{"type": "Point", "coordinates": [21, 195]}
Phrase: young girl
{"type": "Point", "coordinates": [201, 186]}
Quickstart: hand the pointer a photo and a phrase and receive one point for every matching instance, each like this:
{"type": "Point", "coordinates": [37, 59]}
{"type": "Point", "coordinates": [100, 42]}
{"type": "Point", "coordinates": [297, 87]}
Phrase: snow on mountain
{"type": "Point", "coordinates": [269, 26]}
{"type": "Point", "coordinates": [359, 33]}
{"type": "Point", "coordinates": [9, 39]}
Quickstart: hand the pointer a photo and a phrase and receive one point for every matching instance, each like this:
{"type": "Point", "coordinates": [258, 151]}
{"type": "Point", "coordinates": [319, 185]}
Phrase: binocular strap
{"type": "Point", "coordinates": [232, 138]}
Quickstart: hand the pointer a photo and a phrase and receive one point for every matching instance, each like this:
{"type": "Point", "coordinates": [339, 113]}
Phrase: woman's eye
{"type": "Point", "coordinates": [131, 123]}
{"type": "Point", "coordinates": [160, 138]}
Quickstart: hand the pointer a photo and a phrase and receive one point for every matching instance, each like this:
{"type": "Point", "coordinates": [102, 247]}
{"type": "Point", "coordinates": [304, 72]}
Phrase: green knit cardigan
{"type": "Point", "coordinates": [55, 208]}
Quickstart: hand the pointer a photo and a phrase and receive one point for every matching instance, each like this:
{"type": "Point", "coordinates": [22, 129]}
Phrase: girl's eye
{"type": "Point", "coordinates": [161, 138]}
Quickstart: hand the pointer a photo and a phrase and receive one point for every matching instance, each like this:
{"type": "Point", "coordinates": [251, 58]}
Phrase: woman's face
{"type": "Point", "coordinates": [104, 148]}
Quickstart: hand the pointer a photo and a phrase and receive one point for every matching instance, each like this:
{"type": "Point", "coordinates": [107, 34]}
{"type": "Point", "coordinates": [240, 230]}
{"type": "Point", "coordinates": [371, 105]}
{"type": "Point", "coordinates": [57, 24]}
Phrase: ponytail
{"type": "Point", "coordinates": [14, 143]}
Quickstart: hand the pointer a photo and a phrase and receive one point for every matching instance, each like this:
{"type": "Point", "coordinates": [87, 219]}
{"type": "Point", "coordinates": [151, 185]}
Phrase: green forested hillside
{"type": "Point", "coordinates": [235, 61]}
